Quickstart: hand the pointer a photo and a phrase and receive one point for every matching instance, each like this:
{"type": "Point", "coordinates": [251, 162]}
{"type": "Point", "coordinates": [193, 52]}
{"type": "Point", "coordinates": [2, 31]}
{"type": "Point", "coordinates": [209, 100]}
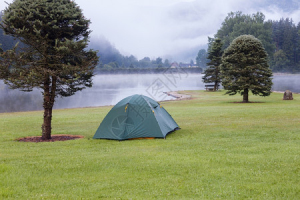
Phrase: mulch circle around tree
{"type": "Point", "coordinates": [248, 102]}
{"type": "Point", "coordinates": [54, 138]}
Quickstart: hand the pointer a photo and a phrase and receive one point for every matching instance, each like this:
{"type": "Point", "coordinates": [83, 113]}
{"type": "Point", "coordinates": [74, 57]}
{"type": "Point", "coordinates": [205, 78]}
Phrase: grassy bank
{"type": "Point", "coordinates": [224, 150]}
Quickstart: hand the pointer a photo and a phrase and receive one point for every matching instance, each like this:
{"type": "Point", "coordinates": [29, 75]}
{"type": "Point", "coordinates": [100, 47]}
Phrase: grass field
{"type": "Point", "coordinates": [224, 150]}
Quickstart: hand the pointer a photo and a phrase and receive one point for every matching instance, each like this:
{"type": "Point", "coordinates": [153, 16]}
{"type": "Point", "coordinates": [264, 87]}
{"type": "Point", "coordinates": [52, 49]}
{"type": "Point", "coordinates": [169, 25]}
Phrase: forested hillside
{"type": "Point", "coordinates": [111, 58]}
{"type": "Point", "coordinates": [286, 37]}
{"type": "Point", "coordinates": [281, 39]}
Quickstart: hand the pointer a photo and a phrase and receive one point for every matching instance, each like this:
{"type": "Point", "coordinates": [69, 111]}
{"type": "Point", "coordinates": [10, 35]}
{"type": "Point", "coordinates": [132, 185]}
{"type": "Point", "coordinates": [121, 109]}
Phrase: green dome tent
{"type": "Point", "coordinates": [136, 116]}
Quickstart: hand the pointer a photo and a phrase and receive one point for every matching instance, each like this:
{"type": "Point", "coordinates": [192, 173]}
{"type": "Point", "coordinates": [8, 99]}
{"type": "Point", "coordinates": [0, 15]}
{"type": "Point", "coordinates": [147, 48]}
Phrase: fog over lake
{"type": "Point", "coordinates": [109, 89]}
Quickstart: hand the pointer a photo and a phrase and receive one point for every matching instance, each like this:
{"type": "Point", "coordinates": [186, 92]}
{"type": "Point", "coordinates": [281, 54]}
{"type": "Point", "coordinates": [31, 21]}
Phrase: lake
{"type": "Point", "coordinates": [109, 89]}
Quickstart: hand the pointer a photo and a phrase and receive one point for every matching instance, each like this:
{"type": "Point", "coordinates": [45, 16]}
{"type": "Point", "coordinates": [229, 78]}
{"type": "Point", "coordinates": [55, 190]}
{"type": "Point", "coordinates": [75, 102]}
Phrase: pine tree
{"type": "Point", "coordinates": [245, 68]}
{"type": "Point", "coordinates": [54, 56]}
{"type": "Point", "coordinates": [212, 73]}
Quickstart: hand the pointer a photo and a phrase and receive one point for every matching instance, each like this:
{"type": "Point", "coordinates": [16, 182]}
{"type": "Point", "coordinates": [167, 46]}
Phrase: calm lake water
{"type": "Point", "coordinates": [109, 89]}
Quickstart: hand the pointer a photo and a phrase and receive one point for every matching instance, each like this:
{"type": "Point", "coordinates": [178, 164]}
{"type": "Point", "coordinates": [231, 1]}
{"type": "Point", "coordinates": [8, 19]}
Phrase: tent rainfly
{"type": "Point", "coordinates": [136, 116]}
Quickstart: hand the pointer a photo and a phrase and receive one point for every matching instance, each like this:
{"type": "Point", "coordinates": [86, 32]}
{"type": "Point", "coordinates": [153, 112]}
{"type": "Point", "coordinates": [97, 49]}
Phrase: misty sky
{"type": "Point", "coordinates": [166, 28]}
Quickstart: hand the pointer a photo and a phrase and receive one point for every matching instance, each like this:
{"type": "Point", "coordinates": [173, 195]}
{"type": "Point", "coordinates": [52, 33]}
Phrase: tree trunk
{"type": "Point", "coordinates": [49, 96]}
{"type": "Point", "coordinates": [46, 127]}
{"type": "Point", "coordinates": [245, 96]}
{"type": "Point", "coordinates": [216, 86]}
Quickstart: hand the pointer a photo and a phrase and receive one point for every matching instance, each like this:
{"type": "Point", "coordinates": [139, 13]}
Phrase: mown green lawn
{"type": "Point", "coordinates": [224, 150]}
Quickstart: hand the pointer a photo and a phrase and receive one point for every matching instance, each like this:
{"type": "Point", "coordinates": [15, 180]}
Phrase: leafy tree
{"type": "Point", "coordinates": [113, 65]}
{"type": "Point", "coordinates": [130, 62]}
{"type": "Point", "coordinates": [54, 56]}
{"type": "Point", "coordinates": [212, 73]}
{"type": "Point", "coordinates": [201, 58]}
{"type": "Point", "coordinates": [159, 62]}
{"type": "Point", "coordinates": [245, 68]}
{"type": "Point", "coordinates": [167, 63]}
{"type": "Point", "coordinates": [146, 59]}
{"type": "Point", "coordinates": [145, 62]}
{"type": "Point", "coordinates": [107, 67]}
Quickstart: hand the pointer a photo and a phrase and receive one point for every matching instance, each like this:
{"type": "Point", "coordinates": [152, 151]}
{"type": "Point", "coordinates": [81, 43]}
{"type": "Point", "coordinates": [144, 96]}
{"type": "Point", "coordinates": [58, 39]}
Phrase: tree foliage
{"type": "Point", "coordinates": [287, 40]}
{"type": "Point", "coordinates": [245, 68]}
{"type": "Point", "coordinates": [212, 73]}
{"type": "Point", "coordinates": [280, 38]}
{"type": "Point", "coordinates": [201, 58]}
{"type": "Point", "coordinates": [54, 56]}
{"type": "Point", "coordinates": [236, 24]}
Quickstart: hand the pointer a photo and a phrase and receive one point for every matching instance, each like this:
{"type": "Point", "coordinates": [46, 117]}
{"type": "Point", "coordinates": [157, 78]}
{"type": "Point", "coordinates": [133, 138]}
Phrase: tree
{"type": "Point", "coordinates": [236, 24]}
{"type": "Point", "coordinates": [130, 62]}
{"type": "Point", "coordinates": [114, 65]}
{"type": "Point", "coordinates": [210, 42]}
{"type": "Point", "coordinates": [212, 73]}
{"type": "Point", "coordinates": [159, 62]}
{"type": "Point", "coordinates": [167, 63]}
{"type": "Point", "coordinates": [145, 62]}
{"type": "Point", "coordinates": [192, 63]}
{"type": "Point", "coordinates": [287, 41]}
{"type": "Point", "coordinates": [280, 61]}
{"type": "Point", "coordinates": [201, 58]}
{"type": "Point", "coordinates": [245, 68]}
{"type": "Point", "coordinates": [54, 56]}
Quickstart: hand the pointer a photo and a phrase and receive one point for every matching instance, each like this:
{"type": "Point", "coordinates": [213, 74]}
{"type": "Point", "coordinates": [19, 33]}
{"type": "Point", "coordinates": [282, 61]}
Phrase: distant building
{"type": "Point", "coordinates": [182, 65]}
{"type": "Point", "coordinates": [187, 65]}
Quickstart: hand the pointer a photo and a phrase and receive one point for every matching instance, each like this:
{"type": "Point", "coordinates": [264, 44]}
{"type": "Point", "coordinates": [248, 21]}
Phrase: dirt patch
{"type": "Point", "coordinates": [248, 102]}
{"type": "Point", "coordinates": [54, 138]}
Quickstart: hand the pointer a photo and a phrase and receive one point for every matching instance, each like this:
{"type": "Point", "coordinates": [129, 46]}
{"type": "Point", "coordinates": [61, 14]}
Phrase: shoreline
{"type": "Point", "coordinates": [178, 96]}
{"type": "Point", "coordinates": [284, 92]}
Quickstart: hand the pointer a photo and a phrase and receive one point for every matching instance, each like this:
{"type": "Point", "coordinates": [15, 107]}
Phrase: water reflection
{"type": "Point", "coordinates": [282, 82]}
{"type": "Point", "coordinates": [109, 89]}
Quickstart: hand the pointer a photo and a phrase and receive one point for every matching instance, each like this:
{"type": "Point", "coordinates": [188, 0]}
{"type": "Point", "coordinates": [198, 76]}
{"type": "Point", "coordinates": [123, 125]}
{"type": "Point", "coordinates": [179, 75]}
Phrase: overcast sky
{"type": "Point", "coordinates": [165, 28]}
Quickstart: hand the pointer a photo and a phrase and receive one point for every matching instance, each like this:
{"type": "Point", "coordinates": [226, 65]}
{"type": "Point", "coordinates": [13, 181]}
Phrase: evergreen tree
{"type": "Point", "coordinates": [280, 61]}
{"type": "Point", "coordinates": [54, 56]}
{"type": "Point", "coordinates": [166, 63]}
{"type": "Point", "coordinates": [212, 73]}
{"type": "Point", "coordinates": [245, 68]}
{"type": "Point", "coordinates": [201, 58]}
{"type": "Point", "coordinates": [210, 42]}
{"type": "Point", "coordinates": [191, 63]}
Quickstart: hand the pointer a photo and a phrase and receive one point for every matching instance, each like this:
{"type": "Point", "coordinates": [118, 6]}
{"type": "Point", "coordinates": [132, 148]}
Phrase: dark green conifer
{"type": "Point", "coordinates": [54, 56]}
{"type": "Point", "coordinates": [212, 73]}
{"type": "Point", "coordinates": [245, 68]}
